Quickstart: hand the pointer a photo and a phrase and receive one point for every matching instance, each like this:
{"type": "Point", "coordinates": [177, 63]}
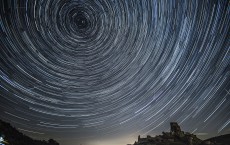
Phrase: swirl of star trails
{"type": "Point", "coordinates": [88, 68]}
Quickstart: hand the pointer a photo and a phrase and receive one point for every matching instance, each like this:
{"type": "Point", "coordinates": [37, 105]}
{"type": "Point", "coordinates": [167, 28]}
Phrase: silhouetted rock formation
{"type": "Point", "coordinates": [175, 128]}
{"type": "Point", "coordinates": [178, 137]}
{"type": "Point", "coordinates": [13, 137]}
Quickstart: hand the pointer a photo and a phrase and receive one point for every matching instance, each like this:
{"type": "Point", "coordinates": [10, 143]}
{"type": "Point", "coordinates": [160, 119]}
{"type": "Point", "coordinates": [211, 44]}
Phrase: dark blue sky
{"type": "Point", "coordinates": [99, 71]}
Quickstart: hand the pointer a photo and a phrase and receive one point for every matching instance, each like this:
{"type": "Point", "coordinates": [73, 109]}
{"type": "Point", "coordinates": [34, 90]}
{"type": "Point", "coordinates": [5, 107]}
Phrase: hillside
{"type": "Point", "coordinates": [220, 140]}
{"type": "Point", "coordinates": [10, 135]}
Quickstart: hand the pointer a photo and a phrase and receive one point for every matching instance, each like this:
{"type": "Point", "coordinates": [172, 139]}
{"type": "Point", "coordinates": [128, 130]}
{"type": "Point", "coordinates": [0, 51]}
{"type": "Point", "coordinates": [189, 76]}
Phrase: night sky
{"type": "Point", "coordinates": [101, 72]}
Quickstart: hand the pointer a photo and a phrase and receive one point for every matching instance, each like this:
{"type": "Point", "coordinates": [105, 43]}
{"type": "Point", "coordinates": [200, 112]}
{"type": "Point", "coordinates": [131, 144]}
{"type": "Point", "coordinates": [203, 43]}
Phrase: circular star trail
{"type": "Point", "coordinates": [74, 69]}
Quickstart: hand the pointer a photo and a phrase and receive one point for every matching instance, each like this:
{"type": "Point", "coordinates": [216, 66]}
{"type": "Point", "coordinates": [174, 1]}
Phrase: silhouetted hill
{"type": "Point", "coordinates": [178, 137]}
{"type": "Point", "coordinates": [220, 140]}
{"type": "Point", "coordinates": [13, 137]}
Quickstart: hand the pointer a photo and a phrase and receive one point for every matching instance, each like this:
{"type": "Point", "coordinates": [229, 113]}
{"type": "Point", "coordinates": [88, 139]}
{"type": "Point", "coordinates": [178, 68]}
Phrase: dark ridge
{"type": "Point", "coordinates": [11, 136]}
{"type": "Point", "coordinates": [222, 139]}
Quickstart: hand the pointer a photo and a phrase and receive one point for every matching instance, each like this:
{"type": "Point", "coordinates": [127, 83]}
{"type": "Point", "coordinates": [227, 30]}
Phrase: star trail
{"type": "Point", "coordinates": [80, 71]}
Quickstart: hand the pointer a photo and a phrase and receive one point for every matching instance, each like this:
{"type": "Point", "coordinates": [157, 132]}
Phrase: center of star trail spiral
{"type": "Point", "coordinates": [87, 68]}
{"type": "Point", "coordinates": [81, 22]}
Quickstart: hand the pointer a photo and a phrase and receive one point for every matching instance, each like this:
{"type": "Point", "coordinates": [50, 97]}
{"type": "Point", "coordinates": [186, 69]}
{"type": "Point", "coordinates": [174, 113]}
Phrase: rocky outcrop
{"type": "Point", "coordinates": [174, 137]}
{"type": "Point", "coordinates": [178, 137]}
